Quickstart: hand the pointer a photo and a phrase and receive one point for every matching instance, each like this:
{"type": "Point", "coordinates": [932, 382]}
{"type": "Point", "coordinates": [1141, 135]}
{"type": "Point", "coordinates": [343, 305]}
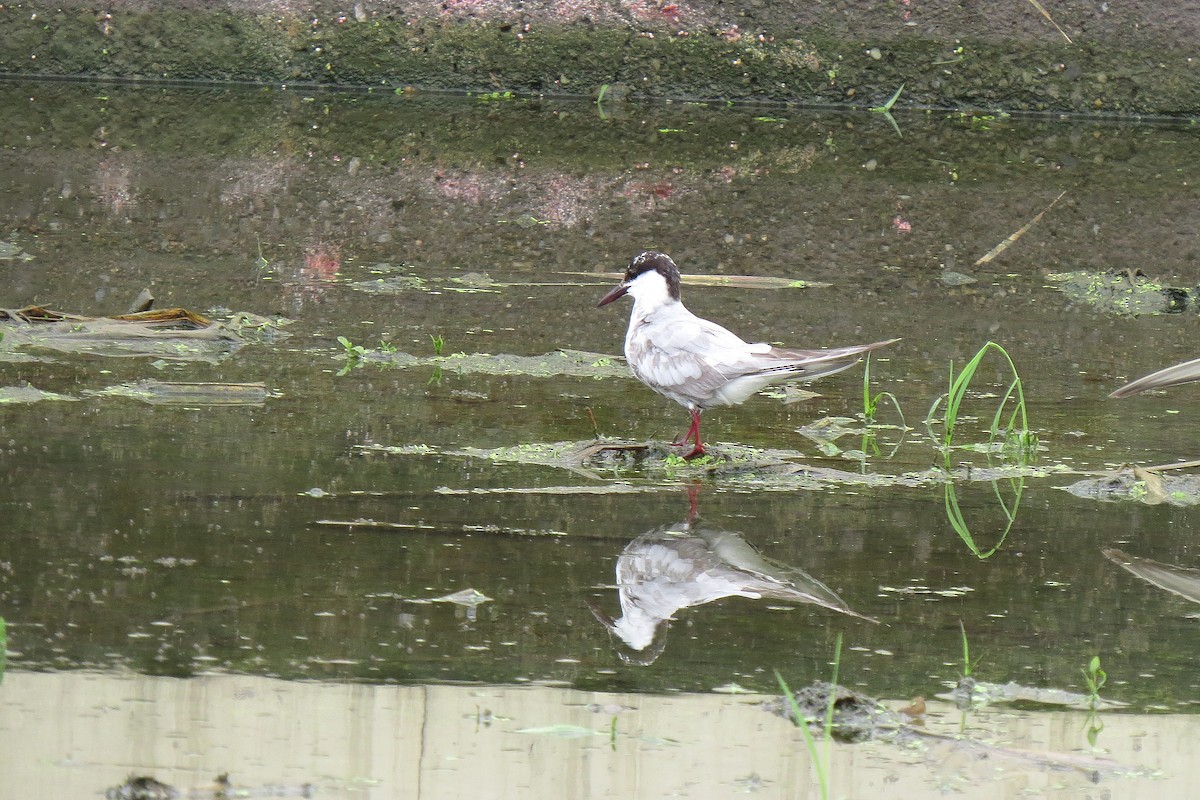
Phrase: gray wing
{"type": "Point", "coordinates": [689, 362]}
{"type": "Point", "coordinates": [694, 359]}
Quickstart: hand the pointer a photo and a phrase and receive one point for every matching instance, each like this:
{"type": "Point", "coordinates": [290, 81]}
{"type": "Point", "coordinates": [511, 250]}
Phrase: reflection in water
{"type": "Point", "coordinates": [114, 187]}
{"type": "Point", "coordinates": [316, 276]}
{"type": "Point", "coordinates": [470, 599]}
{"type": "Point", "coordinates": [688, 564]}
{"type": "Point", "coordinates": [1182, 581]}
{"type": "Point", "coordinates": [1009, 510]}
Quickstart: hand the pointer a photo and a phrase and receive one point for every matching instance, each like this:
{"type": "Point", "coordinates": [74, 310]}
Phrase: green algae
{"type": "Point", "coordinates": [635, 467]}
{"type": "Point", "coordinates": [981, 693]}
{"type": "Point", "coordinates": [1125, 293]}
{"type": "Point", "coordinates": [391, 284]}
{"type": "Point", "coordinates": [104, 341]}
{"type": "Point", "coordinates": [171, 334]}
{"type": "Point", "coordinates": [561, 362]}
{"type": "Point", "coordinates": [13, 252]}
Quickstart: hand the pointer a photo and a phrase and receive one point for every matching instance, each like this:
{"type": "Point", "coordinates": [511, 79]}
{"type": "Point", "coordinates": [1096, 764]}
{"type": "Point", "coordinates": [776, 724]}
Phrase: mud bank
{"type": "Point", "coordinates": [1139, 58]}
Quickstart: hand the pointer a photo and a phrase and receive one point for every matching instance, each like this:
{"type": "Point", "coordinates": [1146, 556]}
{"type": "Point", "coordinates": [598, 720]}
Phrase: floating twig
{"type": "Point", "coordinates": [1172, 465]}
{"type": "Point", "coordinates": [1012, 238]}
{"type": "Point", "coordinates": [414, 526]}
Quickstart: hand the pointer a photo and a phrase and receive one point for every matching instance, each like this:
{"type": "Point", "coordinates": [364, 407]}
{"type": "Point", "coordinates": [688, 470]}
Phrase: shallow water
{"type": "Point", "coordinates": [190, 536]}
{"type": "Point", "coordinates": [332, 739]}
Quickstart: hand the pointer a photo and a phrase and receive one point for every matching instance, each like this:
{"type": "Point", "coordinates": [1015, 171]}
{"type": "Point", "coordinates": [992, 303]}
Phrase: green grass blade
{"type": "Point", "coordinates": [931, 417]}
{"type": "Point", "coordinates": [1018, 420]}
{"type": "Point", "coordinates": [891, 101]}
{"type": "Point", "coordinates": [959, 384]}
{"type": "Point", "coordinates": [871, 402]}
{"type": "Point", "coordinates": [837, 662]}
{"type": "Point", "coordinates": [869, 405]}
{"type": "Point", "coordinates": [801, 722]}
{"type": "Point", "coordinates": [966, 648]}
{"type": "Point", "coordinates": [957, 521]}
{"type": "Point", "coordinates": [895, 404]}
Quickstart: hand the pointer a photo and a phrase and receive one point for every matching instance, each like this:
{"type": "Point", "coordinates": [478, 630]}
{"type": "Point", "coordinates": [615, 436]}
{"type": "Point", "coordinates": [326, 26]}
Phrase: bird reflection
{"type": "Point", "coordinates": [688, 564]}
{"type": "Point", "coordinates": [1181, 581]}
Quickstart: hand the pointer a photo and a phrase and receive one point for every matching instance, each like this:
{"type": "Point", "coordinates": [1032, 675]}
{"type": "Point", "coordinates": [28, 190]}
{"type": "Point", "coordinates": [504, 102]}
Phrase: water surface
{"type": "Point", "coordinates": [184, 537]}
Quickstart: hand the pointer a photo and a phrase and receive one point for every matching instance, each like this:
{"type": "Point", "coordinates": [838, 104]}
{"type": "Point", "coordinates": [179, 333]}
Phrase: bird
{"type": "Point", "coordinates": [698, 363]}
{"type": "Point", "coordinates": [1187, 372]}
{"type": "Point", "coordinates": [674, 567]}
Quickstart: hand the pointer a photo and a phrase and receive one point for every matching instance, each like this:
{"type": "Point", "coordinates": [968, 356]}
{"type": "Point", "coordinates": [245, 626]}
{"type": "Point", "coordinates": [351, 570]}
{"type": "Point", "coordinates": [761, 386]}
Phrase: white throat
{"type": "Point", "coordinates": [649, 292]}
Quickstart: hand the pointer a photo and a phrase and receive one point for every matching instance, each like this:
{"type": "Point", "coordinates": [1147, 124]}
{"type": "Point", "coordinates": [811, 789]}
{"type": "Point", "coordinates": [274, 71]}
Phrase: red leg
{"type": "Point", "coordinates": [693, 494]}
{"type": "Point", "coordinates": [683, 438]}
{"type": "Point", "coordinates": [694, 434]}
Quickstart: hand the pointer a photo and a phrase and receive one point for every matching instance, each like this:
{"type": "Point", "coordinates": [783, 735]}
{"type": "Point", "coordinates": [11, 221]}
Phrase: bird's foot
{"type": "Point", "coordinates": [697, 451]}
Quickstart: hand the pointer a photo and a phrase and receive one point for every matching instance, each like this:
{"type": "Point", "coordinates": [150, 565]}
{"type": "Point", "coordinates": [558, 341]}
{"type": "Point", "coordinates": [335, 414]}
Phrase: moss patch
{"type": "Point", "coordinates": [1132, 72]}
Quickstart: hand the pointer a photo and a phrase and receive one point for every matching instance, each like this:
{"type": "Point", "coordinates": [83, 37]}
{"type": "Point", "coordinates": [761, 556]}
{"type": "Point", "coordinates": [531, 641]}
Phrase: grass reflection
{"type": "Point", "coordinates": [1018, 444]}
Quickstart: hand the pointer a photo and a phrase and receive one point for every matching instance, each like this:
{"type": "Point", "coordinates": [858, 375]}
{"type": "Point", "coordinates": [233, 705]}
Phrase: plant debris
{"type": "Point", "coordinates": [18, 395]}
{"type": "Point", "coordinates": [970, 693]}
{"type": "Point", "coordinates": [858, 718]}
{"type": "Point", "coordinates": [164, 393]}
{"type": "Point", "coordinates": [1139, 485]}
{"type": "Point", "coordinates": [575, 363]}
{"type": "Point", "coordinates": [175, 333]}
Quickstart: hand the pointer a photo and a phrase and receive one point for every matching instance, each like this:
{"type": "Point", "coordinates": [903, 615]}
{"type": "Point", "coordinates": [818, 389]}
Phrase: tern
{"type": "Point", "coordinates": [698, 363]}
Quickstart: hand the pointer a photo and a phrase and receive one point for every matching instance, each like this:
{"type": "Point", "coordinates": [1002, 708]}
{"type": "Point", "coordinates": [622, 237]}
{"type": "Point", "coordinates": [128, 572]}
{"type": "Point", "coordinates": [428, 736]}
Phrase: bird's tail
{"type": "Point", "coordinates": [1171, 376]}
{"type": "Point", "coordinates": [813, 364]}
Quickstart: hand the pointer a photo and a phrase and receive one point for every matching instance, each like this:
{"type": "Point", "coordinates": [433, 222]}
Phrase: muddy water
{"type": "Point", "coordinates": [320, 524]}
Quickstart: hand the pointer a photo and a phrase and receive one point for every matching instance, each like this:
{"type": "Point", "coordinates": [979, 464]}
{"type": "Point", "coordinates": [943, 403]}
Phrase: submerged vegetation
{"type": "Point", "coordinates": [1009, 447]}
